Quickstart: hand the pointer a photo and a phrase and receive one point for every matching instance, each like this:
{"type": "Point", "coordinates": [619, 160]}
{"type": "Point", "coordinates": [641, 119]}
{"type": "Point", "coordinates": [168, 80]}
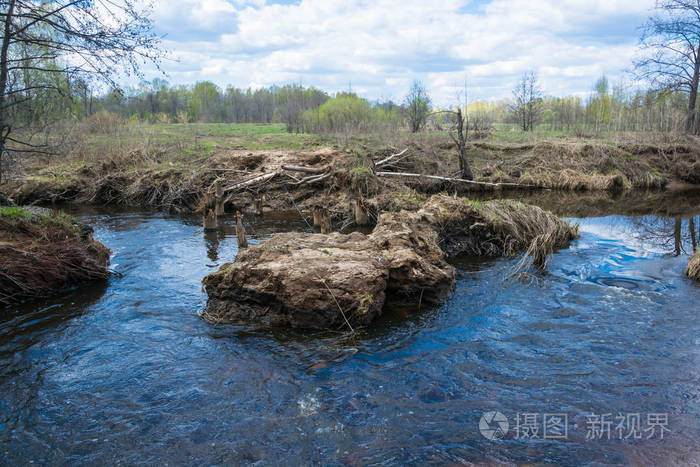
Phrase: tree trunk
{"type": "Point", "coordinates": [6, 37]}
{"type": "Point", "coordinates": [690, 123]}
{"type": "Point", "coordinates": [463, 162]}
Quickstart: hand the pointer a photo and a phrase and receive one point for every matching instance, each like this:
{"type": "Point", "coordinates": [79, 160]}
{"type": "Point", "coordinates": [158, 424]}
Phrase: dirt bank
{"type": "Point", "coordinates": [585, 166]}
{"type": "Point", "coordinates": [42, 251]}
{"type": "Point", "coordinates": [341, 281]}
{"type": "Point", "coordinates": [337, 176]}
{"type": "Point", "coordinates": [693, 269]}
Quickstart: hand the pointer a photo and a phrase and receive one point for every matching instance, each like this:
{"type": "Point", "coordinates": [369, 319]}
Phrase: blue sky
{"type": "Point", "coordinates": [379, 47]}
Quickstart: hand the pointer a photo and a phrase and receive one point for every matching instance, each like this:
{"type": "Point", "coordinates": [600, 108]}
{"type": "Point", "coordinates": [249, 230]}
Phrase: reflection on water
{"type": "Point", "coordinates": [126, 372]}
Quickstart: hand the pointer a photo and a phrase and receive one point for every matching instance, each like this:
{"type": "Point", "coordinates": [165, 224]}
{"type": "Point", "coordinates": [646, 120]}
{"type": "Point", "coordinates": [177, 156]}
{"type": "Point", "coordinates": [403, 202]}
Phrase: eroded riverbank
{"type": "Point", "coordinates": [42, 252]}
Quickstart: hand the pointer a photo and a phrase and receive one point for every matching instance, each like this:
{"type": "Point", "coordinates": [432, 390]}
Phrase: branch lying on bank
{"type": "Point", "coordinates": [312, 179]}
{"type": "Point", "coordinates": [390, 158]}
{"type": "Point", "coordinates": [298, 168]}
{"type": "Point", "coordinates": [494, 186]}
{"type": "Point", "coordinates": [250, 181]}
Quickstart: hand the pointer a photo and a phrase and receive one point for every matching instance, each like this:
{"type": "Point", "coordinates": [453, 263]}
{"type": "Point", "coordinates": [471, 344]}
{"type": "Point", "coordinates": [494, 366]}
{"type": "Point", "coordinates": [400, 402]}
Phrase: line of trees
{"type": "Point", "coordinates": [158, 102]}
{"type": "Point", "coordinates": [299, 108]}
{"type": "Point", "coordinates": [607, 108]}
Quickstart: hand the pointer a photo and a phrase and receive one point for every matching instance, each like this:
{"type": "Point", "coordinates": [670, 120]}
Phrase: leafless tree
{"type": "Point", "coordinates": [461, 128]}
{"type": "Point", "coordinates": [47, 45]}
{"type": "Point", "coordinates": [670, 51]}
{"type": "Point", "coordinates": [527, 101]}
{"type": "Point", "coordinates": [459, 131]}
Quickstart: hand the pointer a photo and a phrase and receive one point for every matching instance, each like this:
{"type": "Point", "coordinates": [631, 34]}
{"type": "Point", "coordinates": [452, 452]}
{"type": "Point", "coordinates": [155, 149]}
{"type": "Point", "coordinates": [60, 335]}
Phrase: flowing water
{"type": "Point", "coordinates": [126, 372]}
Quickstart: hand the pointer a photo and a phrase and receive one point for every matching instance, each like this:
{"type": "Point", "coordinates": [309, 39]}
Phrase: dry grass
{"type": "Point", "coordinates": [693, 269]}
{"type": "Point", "coordinates": [44, 252]}
{"type": "Point", "coordinates": [582, 167]}
{"type": "Point", "coordinates": [172, 166]}
{"type": "Point", "coordinates": [497, 228]}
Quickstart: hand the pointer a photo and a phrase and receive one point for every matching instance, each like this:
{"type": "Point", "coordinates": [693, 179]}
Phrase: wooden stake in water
{"type": "Point", "coordinates": [220, 209]}
{"type": "Point", "coordinates": [258, 205]}
{"type": "Point", "coordinates": [240, 231]}
{"type": "Point", "coordinates": [210, 223]}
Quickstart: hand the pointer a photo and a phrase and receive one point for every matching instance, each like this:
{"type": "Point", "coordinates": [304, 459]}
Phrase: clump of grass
{"type": "Point", "coordinates": [693, 269]}
{"type": "Point", "coordinates": [358, 176]}
{"type": "Point", "coordinates": [497, 228]}
{"type": "Point", "coordinates": [14, 214]}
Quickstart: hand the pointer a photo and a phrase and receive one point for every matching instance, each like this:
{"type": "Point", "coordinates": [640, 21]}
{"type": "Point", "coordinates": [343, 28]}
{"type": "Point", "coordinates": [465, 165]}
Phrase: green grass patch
{"type": "Point", "coordinates": [14, 214]}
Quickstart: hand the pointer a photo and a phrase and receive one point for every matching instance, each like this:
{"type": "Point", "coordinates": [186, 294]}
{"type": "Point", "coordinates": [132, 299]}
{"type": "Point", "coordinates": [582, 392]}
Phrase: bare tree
{"type": "Point", "coordinates": [670, 47]}
{"type": "Point", "coordinates": [527, 101]}
{"type": "Point", "coordinates": [462, 128]}
{"type": "Point", "coordinates": [417, 106]}
{"type": "Point", "coordinates": [47, 45]}
{"type": "Point", "coordinates": [458, 132]}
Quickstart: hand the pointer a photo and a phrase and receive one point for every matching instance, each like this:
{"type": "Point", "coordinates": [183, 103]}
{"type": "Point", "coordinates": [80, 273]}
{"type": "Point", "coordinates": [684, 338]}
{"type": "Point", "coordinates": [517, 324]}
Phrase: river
{"type": "Point", "coordinates": [126, 372]}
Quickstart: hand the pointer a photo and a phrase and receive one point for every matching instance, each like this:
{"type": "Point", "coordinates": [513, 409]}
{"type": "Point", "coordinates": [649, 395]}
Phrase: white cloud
{"type": "Point", "coordinates": [380, 46]}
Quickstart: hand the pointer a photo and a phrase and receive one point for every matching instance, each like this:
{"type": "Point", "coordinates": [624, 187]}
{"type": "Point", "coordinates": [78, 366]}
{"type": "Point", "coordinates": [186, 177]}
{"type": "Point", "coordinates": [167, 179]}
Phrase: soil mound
{"type": "Point", "coordinates": [42, 252]}
{"type": "Point", "coordinates": [335, 281]}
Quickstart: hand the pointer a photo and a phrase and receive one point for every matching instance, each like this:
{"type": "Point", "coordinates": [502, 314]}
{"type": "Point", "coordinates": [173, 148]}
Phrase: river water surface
{"type": "Point", "coordinates": [126, 372]}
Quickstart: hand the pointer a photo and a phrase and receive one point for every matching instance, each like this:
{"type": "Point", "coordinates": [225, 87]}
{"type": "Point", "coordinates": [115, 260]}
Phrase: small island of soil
{"type": "Point", "coordinates": [42, 251]}
{"type": "Point", "coordinates": [335, 281]}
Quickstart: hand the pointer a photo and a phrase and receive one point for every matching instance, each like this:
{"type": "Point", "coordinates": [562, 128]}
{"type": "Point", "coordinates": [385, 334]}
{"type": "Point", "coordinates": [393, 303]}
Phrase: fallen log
{"type": "Point", "coordinates": [494, 186]}
{"type": "Point", "coordinates": [298, 168]}
{"type": "Point", "coordinates": [250, 181]}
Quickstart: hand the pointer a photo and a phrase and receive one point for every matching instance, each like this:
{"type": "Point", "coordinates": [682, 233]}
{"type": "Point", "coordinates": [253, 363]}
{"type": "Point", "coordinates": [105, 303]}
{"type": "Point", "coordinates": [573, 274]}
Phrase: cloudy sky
{"type": "Point", "coordinates": [379, 47]}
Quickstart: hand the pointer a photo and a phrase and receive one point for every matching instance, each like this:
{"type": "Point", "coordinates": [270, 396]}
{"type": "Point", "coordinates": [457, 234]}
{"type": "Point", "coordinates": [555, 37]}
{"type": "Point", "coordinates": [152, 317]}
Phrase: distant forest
{"type": "Point", "coordinates": [607, 108]}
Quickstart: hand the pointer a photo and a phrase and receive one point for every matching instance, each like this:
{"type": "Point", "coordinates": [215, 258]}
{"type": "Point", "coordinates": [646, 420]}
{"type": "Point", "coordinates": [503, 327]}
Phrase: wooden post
{"type": "Point", "coordinates": [326, 222]}
{"type": "Point", "coordinates": [258, 206]}
{"type": "Point", "coordinates": [219, 208]}
{"type": "Point", "coordinates": [210, 222]}
{"type": "Point", "coordinates": [318, 214]}
{"type": "Point", "coordinates": [361, 217]}
{"type": "Point", "coordinates": [240, 231]}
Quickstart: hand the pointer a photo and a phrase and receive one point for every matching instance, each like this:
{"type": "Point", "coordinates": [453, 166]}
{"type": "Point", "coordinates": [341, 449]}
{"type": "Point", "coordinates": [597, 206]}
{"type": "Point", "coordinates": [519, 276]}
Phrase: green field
{"type": "Point", "coordinates": [198, 139]}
